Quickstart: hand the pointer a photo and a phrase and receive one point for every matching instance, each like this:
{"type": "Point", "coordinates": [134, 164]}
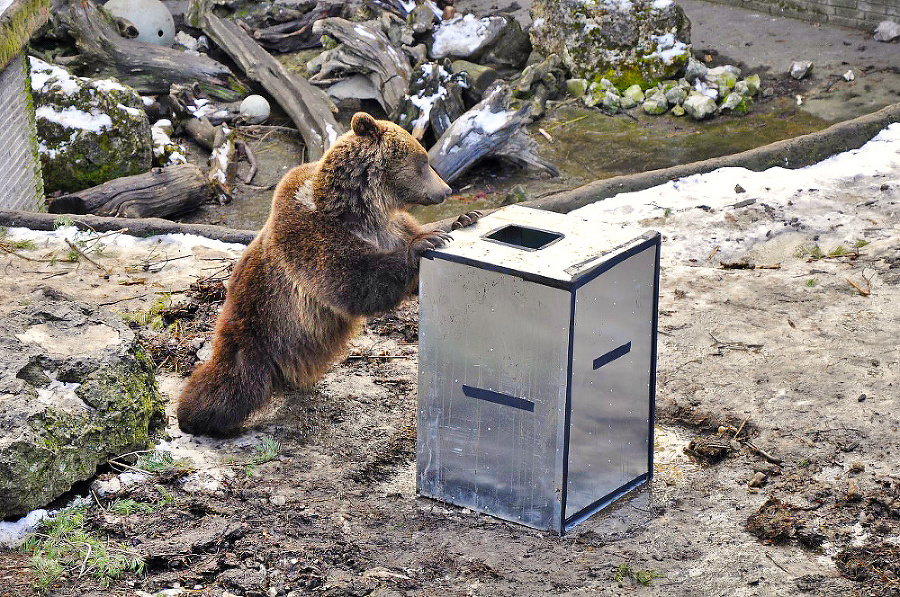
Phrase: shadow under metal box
{"type": "Point", "coordinates": [537, 367]}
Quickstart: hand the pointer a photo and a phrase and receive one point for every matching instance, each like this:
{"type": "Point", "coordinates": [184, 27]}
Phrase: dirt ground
{"type": "Point", "coordinates": [805, 501]}
{"type": "Point", "coordinates": [776, 446]}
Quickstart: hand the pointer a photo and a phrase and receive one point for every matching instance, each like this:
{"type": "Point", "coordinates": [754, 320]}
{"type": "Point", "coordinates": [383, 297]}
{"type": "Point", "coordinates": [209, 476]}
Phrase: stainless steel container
{"type": "Point", "coordinates": [537, 367]}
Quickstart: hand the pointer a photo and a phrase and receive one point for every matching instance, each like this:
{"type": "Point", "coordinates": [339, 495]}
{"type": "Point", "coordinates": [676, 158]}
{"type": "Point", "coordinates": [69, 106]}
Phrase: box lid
{"type": "Point", "coordinates": [559, 250]}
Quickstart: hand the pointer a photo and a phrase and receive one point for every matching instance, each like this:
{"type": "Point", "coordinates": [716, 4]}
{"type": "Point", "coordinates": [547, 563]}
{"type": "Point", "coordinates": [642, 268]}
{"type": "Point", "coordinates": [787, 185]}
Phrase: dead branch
{"type": "Point", "coordinates": [148, 68]}
{"type": "Point", "coordinates": [308, 107]}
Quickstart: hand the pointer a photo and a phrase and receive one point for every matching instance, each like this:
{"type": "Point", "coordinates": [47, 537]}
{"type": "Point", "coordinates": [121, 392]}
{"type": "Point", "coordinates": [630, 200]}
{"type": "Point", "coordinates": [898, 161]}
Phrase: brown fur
{"type": "Point", "coordinates": [336, 248]}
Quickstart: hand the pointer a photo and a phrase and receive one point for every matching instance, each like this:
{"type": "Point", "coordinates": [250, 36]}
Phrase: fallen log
{"type": "Point", "coordinates": [366, 51]}
{"type": "Point", "coordinates": [137, 227]}
{"type": "Point", "coordinates": [162, 192]}
{"type": "Point", "coordinates": [148, 68]}
{"type": "Point", "coordinates": [297, 34]}
{"type": "Point", "coordinates": [307, 106]}
{"type": "Point", "coordinates": [490, 129]}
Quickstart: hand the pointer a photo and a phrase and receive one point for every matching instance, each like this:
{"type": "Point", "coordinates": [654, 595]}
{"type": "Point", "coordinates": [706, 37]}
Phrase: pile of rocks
{"type": "Point", "coordinates": [701, 93]}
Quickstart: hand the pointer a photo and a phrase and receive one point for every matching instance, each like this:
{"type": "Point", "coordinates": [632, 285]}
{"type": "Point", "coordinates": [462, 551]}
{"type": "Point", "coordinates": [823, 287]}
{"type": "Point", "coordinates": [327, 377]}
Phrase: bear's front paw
{"type": "Point", "coordinates": [467, 219]}
{"type": "Point", "coordinates": [431, 240]}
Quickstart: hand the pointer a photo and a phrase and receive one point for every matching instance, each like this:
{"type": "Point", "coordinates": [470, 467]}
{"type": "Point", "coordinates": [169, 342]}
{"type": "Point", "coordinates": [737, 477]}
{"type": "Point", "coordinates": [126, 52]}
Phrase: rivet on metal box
{"type": "Point", "coordinates": [537, 367]}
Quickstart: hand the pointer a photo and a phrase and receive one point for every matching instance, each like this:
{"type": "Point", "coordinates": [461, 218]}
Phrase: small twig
{"type": "Point", "coordinates": [378, 356]}
{"type": "Point", "coordinates": [714, 251]}
{"type": "Point", "coordinates": [129, 298]}
{"type": "Point", "coordinates": [75, 248]}
{"type": "Point", "coordinates": [90, 550]}
{"type": "Point", "coordinates": [245, 148]}
{"type": "Point", "coordinates": [9, 251]}
{"type": "Point", "coordinates": [758, 452]}
{"type": "Point", "coordinates": [114, 462]}
{"type": "Point", "coordinates": [741, 428]}
{"type": "Point", "coordinates": [96, 499]}
{"type": "Point", "coordinates": [768, 555]}
{"type": "Point", "coordinates": [862, 291]}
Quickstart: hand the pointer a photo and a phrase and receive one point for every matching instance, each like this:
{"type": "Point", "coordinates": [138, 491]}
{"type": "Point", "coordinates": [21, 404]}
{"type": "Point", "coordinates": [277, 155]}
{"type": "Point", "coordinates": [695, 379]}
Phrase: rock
{"type": "Point", "coordinates": [417, 54]}
{"type": "Point", "coordinates": [76, 389]}
{"type": "Point", "coordinates": [396, 29]}
{"type": "Point", "coordinates": [421, 19]}
{"type": "Point", "coordinates": [655, 103]}
{"type": "Point", "coordinates": [723, 77]}
{"type": "Point", "coordinates": [480, 77]}
{"type": "Point", "coordinates": [758, 480]}
{"type": "Point", "coordinates": [495, 40]}
{"type": "Point", "coordinates": [887, 31]}
{"type": "Point", "coordinates": [638, 41]}
{"type": "Point", "coordinates": [699, 107]}
{"type": "Point", "coordinates": [849, 76]}
{"type": "Point", "coordinates": [676, 96]}
{"type": "Point", "coordinates": [611, 102]}
{"type": "Point", "coordinates": [695, 70]}
{"type": "Point", "coordinates": [634, 93]}
{"type": "Point", "coordinates": [576, 87]}
{"type": "Point", "coordinates": [677, 111]}
{"type": "Point", "coordinates": [800, 68]}
{"type": "Point", "coordinates": [540, 82]}
{"type": "Point", "coordinates": [89, 130]}
{"type": "Point", "coordinates": [753, 84]}
{"type": "Point", "coordinates": [355, 87]}
{"type": "Point", "coordinates": [736, 104]}
{"type": "Point", "coordinates": [517, 194]}
{"type": "Point", "coordinates": [184, 41]}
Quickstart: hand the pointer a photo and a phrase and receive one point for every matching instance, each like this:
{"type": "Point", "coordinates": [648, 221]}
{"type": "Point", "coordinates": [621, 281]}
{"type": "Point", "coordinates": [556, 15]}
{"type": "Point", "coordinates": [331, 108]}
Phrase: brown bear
{"type": "Point", "coordinates": [337, 247]}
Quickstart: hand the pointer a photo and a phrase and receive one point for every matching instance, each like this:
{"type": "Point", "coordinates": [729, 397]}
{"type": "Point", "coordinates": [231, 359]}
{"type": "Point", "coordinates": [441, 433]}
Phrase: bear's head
{"type": "Point", "coordinates": [398, 164]}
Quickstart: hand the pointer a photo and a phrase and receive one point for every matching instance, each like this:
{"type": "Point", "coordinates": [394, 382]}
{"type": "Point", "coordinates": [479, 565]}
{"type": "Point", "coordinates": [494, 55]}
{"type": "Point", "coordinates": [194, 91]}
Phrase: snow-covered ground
{"type": "Point", "coordinates": [695, 214]}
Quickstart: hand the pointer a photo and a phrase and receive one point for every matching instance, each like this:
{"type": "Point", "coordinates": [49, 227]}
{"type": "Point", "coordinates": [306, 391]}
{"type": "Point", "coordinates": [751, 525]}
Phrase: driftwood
{"type": "Point", "coordinates": [297, 34]}
{"type": "Point", "coordinates": [435, 100]}
{"type": "Point", "coordinates": [162, 192]}
{"type": "Point", "coordinates": [136, 227]}
{"type": "Point", "coordinates": [366, 51]}
{"type": "Point", "coordinates": [148, 68]}
{"type": "Point", "coordinates": [490, 129]}
{"type": "Point", "coordinates": [307, 106]}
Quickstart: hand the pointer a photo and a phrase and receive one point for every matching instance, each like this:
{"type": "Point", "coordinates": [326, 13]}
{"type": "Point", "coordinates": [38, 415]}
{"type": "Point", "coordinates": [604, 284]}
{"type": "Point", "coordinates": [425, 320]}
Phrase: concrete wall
{"type": "Point", "coordinates": [859, 14]}
{"type": "Point", "coordinates": [21, 186]}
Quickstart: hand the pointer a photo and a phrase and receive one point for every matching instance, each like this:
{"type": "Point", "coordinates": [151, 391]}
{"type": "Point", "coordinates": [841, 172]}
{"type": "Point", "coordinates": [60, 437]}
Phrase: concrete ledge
{"type": "Point", "coordinates": [789, 153]}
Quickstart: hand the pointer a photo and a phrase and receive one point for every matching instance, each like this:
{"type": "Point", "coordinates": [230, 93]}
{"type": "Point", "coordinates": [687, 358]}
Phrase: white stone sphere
{"type": "Point", "coordinates": [150, 17]}
{"type": "Point", "coordinates": [255, 107]}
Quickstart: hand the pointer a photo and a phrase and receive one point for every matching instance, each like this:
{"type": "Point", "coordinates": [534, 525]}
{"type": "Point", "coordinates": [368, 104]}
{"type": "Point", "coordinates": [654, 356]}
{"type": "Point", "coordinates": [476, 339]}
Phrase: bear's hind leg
{"type": "Point", "coordinates": [220, 394]}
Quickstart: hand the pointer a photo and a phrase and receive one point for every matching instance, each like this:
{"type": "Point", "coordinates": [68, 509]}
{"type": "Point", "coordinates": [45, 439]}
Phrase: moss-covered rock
{"type": "Point", "coordinates": [75, 390]}
{"type": "Point", "coordinates": [89, 130]}
{"type": "Point", "coordinates": [628, 42]}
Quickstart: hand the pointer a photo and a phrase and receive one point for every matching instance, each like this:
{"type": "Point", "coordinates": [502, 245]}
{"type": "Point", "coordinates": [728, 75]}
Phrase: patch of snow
{"type": "Point", "coordinates": [73, 118]}
{"type": "Point", "coordinates": [107, 85]}
{"type": "Point", "coordinates": [705, 89]}
{"type": "Point", "coordinates": [129, 110]}
{"type": "Point", "coordinates": [806, 194]}
{"type": "Point", "coordinates": [13, 533]}
{"type": "Point", "coordinates": [460, 36]}
{"type": "Point", "coordinates": [661, 4]}
{"type": "Point", "coordinates": [365, 32]}
{"type": "Point", "coordinates": [148, 101]}
{"type": "Point", "coordinates": [668, 48]}
{"type": "Point", "coordinates": [44, 73]}
{"type": "Point", "coordinates": [56, 390]}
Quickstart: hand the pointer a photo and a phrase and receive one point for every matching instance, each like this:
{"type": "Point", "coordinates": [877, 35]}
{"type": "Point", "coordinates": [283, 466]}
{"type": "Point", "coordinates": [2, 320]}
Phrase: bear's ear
{"type": "Point", "coordinates": [364, 125]}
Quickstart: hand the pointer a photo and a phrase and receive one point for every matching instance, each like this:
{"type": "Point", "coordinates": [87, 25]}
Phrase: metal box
{"type": "Point", "coordinates": [537, 367]}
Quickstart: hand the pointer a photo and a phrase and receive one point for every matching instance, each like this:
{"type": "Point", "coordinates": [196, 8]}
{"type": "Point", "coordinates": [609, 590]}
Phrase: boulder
{"type": "Point", "coordinates": [635, 41]}
{"type": "Point", "coordinates": [655, 102]}
{"type": "Point", "coordinates": [887, 31]}
{"type": "Point", "coordinates": [494, 40]}
{"type": "Point", "coordinates": [736, 103]}
{"type": "Point", "coordinates": [699, 106]}
{"type": "Point", "coordinates": [75, 390]}
{"type": "Point", "coordinates": [89, 131]}
{"type": "Point", "coordinates": [723, 77]}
